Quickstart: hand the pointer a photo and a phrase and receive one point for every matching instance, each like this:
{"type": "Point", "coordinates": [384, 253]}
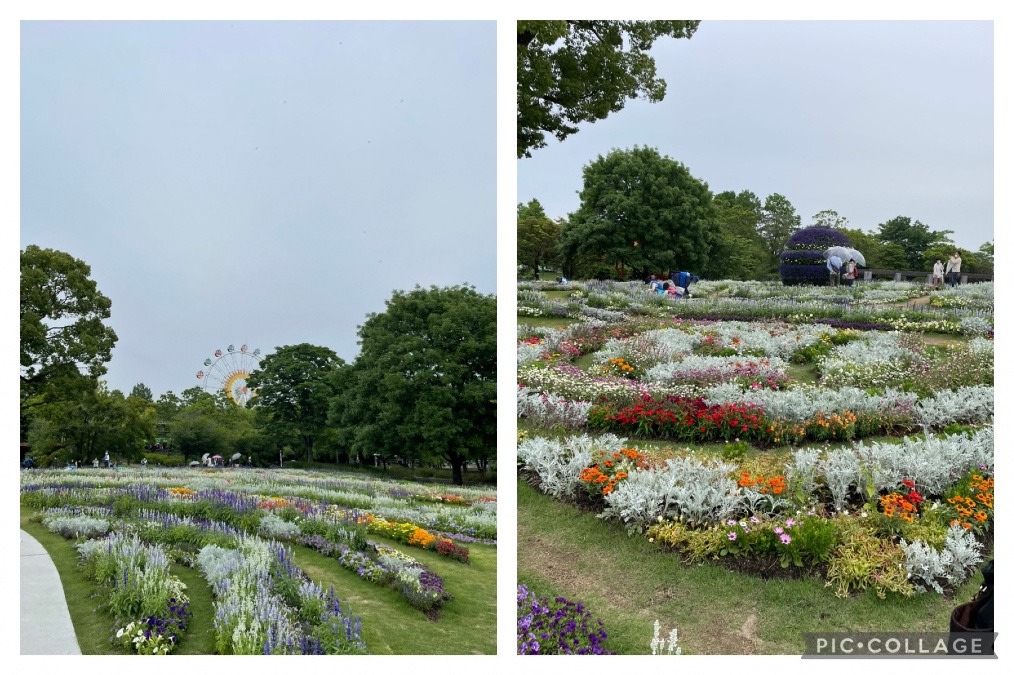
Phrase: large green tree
{"type": "Point", "coordinates": [830, 218]}
{"type": "Point", "coordinates": [94, 422]}
{"type": "Point", "coordinates": [424, 384]}
{"type": "Point", "coordinates": [914, 238]}
{"type": "Point", "coordinates": [538, 237]}
{"type": "Point", "coordinates": [778, 222]}
{"type": "Point", "coordinates": [63, 337]}
{"type": "Point", "coordinates": [581, 71]}
{"type": "Point", "coordinates": [740, 252]}
{"type": "Point", "coordinates": [643, 212]}
{"type": "Point", "coordinates": [293, 386]}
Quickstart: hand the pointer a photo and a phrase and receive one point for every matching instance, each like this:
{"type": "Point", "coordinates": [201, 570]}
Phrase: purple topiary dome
{"type": "Point", "coordinates": [802, 261]}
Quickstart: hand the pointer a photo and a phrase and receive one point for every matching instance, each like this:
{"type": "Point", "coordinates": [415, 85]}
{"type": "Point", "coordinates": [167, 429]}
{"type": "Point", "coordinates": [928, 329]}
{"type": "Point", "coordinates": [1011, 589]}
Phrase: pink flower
{"type": "Point", "coordinates": [790, 522]}
{"type": "Point", "coordinates": [778, 530]}
{"type": "Point", "coordinates": [732, 536]}
{"type": "Point", "coordinates": [785, 539]}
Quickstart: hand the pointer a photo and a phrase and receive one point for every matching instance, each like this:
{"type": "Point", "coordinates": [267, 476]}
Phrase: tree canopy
{"type": "Point", "coordinates": [643, 212]}
{"type": "Point", "coordinates": [914, 238]}
{"type": "Point", "coordinates": [779, 221]}
{"type": "Point", "coordinates": [740, 252]}
{"type": "Point", "coordinates": [424, 383]}
{"type": "Point", "coordinates": [293, 386]}
{"type": "Point", "coordinates": [538, 237]}
{"type": "Point", "coordinates": [62, 314]}
{"type": "Point", "coordinates": [581, 71]}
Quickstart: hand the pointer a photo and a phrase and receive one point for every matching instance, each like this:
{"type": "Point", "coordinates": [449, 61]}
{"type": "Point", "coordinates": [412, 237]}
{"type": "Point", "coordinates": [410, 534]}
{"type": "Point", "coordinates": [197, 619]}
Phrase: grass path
{"type": "Point", "coordinates": [628, 582]}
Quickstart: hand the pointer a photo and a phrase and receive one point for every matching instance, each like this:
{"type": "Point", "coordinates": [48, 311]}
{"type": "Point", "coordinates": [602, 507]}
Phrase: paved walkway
{"type": "Point", "coordinates": [45, 620]}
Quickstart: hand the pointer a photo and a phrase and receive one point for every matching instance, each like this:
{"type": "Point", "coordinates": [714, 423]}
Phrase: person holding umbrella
{"type": "Point", "coordinates": [834, 267]}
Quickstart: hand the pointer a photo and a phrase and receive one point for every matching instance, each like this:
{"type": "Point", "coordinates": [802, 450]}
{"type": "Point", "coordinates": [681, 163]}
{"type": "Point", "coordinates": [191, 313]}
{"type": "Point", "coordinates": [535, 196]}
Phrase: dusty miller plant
{"type": "Point", "coordinates": [558, 463]}
{"type": "Point", "coordinates": [953, 564]}
{"type": "Point", "coordinates": [684, 488]}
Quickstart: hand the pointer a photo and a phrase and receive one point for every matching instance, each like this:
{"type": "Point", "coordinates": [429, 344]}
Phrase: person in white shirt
{"type": "Point", "coordinates": [953, 269]}
{"type": "Point", "coordinates": [938, 275]}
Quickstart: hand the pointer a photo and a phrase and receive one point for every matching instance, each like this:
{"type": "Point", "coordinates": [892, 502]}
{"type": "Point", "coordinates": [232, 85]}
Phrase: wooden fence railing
{"type": "Point", "coordinates": [915, 275]}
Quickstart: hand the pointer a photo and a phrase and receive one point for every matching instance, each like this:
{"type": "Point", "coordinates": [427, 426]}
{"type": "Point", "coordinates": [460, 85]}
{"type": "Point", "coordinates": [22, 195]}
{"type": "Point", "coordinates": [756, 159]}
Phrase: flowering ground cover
{"type": "Point", "coordinates": [836, 436]}
{"type": "Point", "coordinates": [292, 562]}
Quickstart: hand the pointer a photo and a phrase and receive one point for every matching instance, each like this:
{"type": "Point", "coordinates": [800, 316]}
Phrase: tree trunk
{"type": "Point", "coordinates": [456, 460]}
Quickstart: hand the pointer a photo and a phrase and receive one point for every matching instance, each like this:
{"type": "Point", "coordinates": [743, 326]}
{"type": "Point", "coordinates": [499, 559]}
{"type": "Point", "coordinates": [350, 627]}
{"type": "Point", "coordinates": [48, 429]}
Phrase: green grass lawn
{"type": "Point", "coordinates": [467, 623]}
{"type": "Point", "coordinates": [628, 582]}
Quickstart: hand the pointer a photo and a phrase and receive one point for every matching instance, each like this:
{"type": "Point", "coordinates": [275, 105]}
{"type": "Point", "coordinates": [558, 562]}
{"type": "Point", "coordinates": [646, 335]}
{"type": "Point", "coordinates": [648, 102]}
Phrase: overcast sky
{"type": "Point", "coordinates": [872, 119]}
{"type": "Point", "coordinates": [259, 183]}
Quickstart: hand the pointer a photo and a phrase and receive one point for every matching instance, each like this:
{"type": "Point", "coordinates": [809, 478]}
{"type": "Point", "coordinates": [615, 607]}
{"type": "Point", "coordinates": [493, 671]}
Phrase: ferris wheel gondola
{"type": "Point", "coordinates": [228, 371]}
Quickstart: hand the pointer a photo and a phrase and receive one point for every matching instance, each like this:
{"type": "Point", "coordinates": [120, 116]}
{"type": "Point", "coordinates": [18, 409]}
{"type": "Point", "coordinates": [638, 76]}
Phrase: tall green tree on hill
{"type": "Point", "coordinates": [642, 213]}
{"type": "Point", "coordinates": [538, 237]}
{"type": "Point", "coordinates": [424, 384]}
{"type": "Point", "coordinates": [293, 387]}
{"type": "Point", "coordinates": [581, 71]}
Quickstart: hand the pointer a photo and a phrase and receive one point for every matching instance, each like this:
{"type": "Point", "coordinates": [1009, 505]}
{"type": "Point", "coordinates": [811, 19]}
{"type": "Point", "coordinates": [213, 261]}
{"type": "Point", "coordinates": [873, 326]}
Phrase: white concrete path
{"type": "Point", "coordinates": [46, 627]}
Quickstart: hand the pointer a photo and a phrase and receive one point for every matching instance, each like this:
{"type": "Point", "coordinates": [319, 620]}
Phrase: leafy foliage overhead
{"type": "Point", "coordinates": [581, 71]}
{"type": "Point", "coordinates": [62, 314]}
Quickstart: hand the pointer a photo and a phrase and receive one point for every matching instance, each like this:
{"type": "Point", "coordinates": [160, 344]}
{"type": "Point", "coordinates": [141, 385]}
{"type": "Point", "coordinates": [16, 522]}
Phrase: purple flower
{"type": "Point", "coordinates": [786, 539]}
{"type": "Point", "coordinates": [732, 536]}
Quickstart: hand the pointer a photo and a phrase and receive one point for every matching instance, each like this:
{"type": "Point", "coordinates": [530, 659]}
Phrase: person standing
{"type": "Point", "coordinates": [834, 267]}
{"type": "Point", "coordinates": [105, 459]}
{"type": "Point", "coordinates": [850, 272]}
{"type": "Point", "coordinates": [953, 269]}
{"type": "Point", "coordinates": [938, 275]}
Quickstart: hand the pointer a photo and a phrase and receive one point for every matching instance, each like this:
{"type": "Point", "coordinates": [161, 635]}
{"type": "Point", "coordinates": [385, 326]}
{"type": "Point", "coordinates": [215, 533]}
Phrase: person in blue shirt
{"type": "Point", "coordinates": [683, 280]}
{"type": "Point", "coordinates": [834, 268]}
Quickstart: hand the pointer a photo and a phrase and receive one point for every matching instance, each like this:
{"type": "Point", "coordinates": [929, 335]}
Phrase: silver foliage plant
{"type": "Point", "coordinates": [273, 527]}
{"type": "Point", "coordinates": [528, 353]}
{"type": "Point", "coordinates": [550, 411]}
{"type": "Point", "coordinates": [967, 405]}
{"type": "Point", "coordinates": [933, 463]}
{"type": "Point", "coordinates": [927, 567]}
{"type": "Point", "coordinates": [558, 463]}
{"type": "Point", "coordinates": [803, 469]}
{"type": "Point", "coordinates": [76, 526]}
{"type": "Point", "coordinates": [685, 488]}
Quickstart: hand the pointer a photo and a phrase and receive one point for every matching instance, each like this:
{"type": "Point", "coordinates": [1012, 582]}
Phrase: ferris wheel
{"type": "Point", "coordinates": [228, 371]}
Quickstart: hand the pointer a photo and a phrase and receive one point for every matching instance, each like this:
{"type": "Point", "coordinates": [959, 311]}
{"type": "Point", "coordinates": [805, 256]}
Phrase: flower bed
{"type": "Point", "coordinates": [907, 510]}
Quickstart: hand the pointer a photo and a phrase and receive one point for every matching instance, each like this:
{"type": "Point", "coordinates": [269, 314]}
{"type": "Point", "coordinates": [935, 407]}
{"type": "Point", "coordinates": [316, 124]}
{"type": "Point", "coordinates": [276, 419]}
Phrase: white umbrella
{"type": "Point", "coordinates": [195, 463]}
{"type": "Point", "coordinates": [857, 256]}
{"type": "Point", "coordinates": [839, 251]}
{"type": "Point", "coordinates": [237, 456]}
{"type": "Point", "coordinates": [204, 457]}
